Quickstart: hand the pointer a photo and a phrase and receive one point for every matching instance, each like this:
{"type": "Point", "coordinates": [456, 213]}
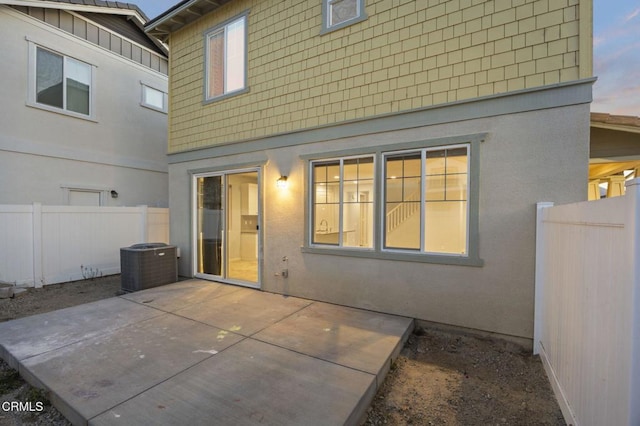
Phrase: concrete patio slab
{"type": "Point", "coordinates": [29, 336]}
{"type": "Point", "coordinates": [244, 312]}
{"type": "Point", "coordinates": [251, 383]}
{"type": "Point", "coordinates": [197, 352]}
{"type": "Point", "coordinates": [358, 339]}
{"type": "Point", "coordinates": [95, 374]}
{"type": "Point", "coordinates": [171, 297]}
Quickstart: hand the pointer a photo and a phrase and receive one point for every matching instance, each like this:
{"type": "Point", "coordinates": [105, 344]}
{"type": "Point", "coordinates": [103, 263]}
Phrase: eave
{"type": "Point", "coordinates": [179, 16]}
{"type": "Point", "coordinates": [140, 18]}
{"type": "Point", "coordinates": [622, 123]}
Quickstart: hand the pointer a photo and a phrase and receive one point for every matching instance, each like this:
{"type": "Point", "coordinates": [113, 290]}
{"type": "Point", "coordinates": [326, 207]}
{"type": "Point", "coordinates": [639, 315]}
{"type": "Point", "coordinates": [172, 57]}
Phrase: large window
{"type": "Point", "coordinates": [343, 196]}
{"type": "Point", "coordinates": [226, 59]}
{"type": "Point", "coordinates": [412, 201]}
{"type": "Point", "coordinates": [425, 199]}
{"type": "Point", "coordinates": [340, 13]}
{"type": "Point", "coordinates": [62, 82]}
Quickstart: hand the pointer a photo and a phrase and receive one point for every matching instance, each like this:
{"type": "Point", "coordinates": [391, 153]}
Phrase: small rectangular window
{"type": "Point", "coordinates": [342, 10]}
{"type": "Point", "coordinates": [226, 59]}
{"type": "Point", "coordinates": [62, 82]}
{"type": "Point", "coordinates": [343, 202]}
{"type": "Point", "coordinates": [340, 13]}
{"type": "Point", "coordinates": [154, 98]}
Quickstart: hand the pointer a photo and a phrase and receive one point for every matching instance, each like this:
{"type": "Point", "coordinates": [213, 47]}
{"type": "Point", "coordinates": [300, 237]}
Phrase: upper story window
{"type": "Point", "coordinates": [62, 83]}
{"type": "Point", "coordinates": [154, 98]}
{"type": "Point", "coordinates": [340, 13]}
{"type": "Point", "coordinates": [226, 56]}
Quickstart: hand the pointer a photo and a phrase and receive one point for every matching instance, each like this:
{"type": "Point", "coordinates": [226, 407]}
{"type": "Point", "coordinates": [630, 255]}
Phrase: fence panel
{"type": "Point", "coordinates": [158, 225]}
{"type": "Point", "coordinates": [587, 308]}
{"type": "Point", "coordinates": [42, 245]}
{"type": "Point", "coordinates": [16, 244]}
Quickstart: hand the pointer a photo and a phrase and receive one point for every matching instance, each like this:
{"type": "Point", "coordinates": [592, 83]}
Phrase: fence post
{"type": "Point", "coordinates": [36, 223]}
{"type": "Point", "coordinates": [539, 277]}
{"type": "Point", "coordinates": [633, 221]}
{"type": "Point", "coordinates": [144, 223]}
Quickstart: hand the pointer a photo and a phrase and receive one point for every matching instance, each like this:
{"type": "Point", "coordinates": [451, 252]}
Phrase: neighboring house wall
{"type": "Point", "coordinates": [44, 154]}
{"type": "Point", "coordinates": [509, 78]}
{"type": "Point", "coordinates": [615, 154]}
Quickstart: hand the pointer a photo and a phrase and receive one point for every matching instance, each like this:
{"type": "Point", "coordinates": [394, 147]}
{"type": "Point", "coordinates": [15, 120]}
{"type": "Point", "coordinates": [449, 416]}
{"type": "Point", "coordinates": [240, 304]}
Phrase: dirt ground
{"type": "Point", "coordinates": [438, 379]}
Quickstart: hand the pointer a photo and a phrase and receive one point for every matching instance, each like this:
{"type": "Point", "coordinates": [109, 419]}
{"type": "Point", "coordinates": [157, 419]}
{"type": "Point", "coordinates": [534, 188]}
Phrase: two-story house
{"type": "Point", "coordinates": [381, 154]}
{"type": "Point", "coordinates": [83, 113]}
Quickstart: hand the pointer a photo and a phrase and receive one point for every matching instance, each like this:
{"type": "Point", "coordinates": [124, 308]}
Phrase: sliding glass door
{"type": "Point", "coordinates": [226, 227]}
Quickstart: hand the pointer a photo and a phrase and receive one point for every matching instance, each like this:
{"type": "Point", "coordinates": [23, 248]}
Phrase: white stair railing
{"type": "Point", "coordinates": [403, 211]}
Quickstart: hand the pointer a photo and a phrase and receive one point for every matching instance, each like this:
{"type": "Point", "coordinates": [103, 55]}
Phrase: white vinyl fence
{"type": "Point", "coordinates": [42, 245]}
{"type": "Point", "coordinates": [587, 320]}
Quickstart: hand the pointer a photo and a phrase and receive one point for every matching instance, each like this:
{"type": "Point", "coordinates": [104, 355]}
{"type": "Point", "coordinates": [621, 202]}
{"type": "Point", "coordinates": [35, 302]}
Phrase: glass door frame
{"type": "Point", "coordinates": [223, 174]}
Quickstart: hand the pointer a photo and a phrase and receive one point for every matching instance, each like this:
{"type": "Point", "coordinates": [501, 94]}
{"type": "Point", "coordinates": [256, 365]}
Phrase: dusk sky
{"type": "Point", "coordinates": [616, 52]}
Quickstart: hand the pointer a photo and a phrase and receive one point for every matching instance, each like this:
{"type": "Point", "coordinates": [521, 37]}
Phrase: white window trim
{"type": "Point", "coordinates": [311, 230]}
{"type": "Point", "coordinates": [218, 28]}
{"type": "Point", "coordinates": [165, 97]}
{"type": "Point", "coordinates": [31, 84]}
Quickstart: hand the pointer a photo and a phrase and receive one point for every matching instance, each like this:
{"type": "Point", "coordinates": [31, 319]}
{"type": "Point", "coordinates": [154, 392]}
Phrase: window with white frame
{"type": "Point", "coordinates": [62, 82]}
{"type": "Point", "coordinates": [343, 200]}
{"type": "Point", "coordinates": [426, 205]}
{"type": "Point", "coordinates": [154, 98]}
{"type": "Point", "coordinates": [411, 201]}
{"type": "Point", "coordinates": [340, 13]}
{"type": "Point", "coordinates": [226, 59]}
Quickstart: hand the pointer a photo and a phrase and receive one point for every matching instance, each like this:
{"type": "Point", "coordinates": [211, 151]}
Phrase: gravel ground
{"type": "Point", "coordinates": [438, 379]}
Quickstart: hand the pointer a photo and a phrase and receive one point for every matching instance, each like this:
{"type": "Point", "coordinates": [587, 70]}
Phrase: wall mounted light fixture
{"type": "Point", "coordinates": [281, 182]}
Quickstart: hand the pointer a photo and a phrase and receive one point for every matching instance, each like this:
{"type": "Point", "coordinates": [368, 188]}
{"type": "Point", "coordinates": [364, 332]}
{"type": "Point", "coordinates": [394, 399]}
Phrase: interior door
{"type": "Point", "coordinates": [226, 227]}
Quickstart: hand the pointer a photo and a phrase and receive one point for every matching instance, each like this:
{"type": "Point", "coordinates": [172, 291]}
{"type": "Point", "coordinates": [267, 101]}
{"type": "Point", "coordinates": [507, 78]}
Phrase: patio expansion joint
{"type": "Point", "coordinates": [147, 303]}
{"type": "Point", "coordinates": [283, 318]}
{"type": "Point", "coordinates": [105, 333]}
{"type": "Point", "coordinates": [314, 357]}
{"type": "Point", "coordinates": [243, 338]}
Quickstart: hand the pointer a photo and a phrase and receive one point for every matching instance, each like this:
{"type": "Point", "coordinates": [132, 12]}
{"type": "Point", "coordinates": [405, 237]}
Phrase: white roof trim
{"type": "Point", "coordinates": [75, 7]}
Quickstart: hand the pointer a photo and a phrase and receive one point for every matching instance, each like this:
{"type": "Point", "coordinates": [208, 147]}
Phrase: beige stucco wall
{"type": "Point", "coordinates": [407, 54]}
{"type": "Point", "coordinates": [122, 148]}
{"type": "Point", "coordinates": [525, 158]}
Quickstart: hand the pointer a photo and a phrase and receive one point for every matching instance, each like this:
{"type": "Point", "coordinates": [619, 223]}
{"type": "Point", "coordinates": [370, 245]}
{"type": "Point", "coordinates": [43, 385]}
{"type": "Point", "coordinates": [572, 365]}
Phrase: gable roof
{"type": "Point", "coordinates": [126, 19]}
{"type": "Point", "coordinates": [180, 15]}
{"type": "Point", "coordinates": [115, 7]}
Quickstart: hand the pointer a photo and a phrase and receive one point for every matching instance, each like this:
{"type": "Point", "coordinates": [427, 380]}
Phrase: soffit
{"type": "Point", "coordinates": [625, 123]}
{"type": "Point", "coordinates": [179, 16]}
{"type": "Point", "coordinates": [615, 145]}
{"type": "Point", "coordinates": [614, 138]}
